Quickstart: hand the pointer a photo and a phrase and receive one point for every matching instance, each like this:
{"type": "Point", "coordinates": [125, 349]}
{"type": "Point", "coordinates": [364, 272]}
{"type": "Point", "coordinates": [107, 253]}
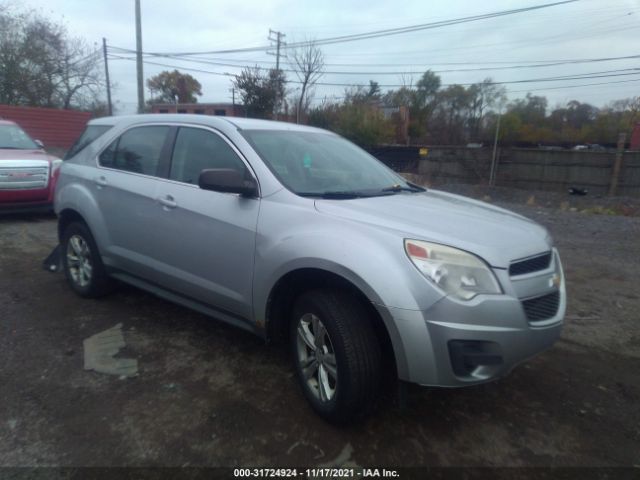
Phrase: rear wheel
{"type": "Point", "coordinates": [82, 263]}
{"type": "Point", "coordinates": [336, 353]}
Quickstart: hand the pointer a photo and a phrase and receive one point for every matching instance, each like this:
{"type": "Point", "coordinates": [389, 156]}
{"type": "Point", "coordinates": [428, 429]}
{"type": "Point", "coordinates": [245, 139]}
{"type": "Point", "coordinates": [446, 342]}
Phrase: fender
{"type": "Point", "coordinates": [338, 246]}
{"type": "Point", "coordinates": [355, 257]}
{"type": "Point", "coordinates": [77, 196]}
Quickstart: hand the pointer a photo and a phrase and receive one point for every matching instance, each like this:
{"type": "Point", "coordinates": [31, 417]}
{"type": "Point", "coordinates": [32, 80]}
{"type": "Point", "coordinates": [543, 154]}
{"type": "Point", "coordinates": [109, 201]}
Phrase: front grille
{"type": "Point", "coordinates": [531, 264]}
{"type": "Point", "coordinates": [25, 178]}
{"type": "Point", "coordinates": [541, 308]}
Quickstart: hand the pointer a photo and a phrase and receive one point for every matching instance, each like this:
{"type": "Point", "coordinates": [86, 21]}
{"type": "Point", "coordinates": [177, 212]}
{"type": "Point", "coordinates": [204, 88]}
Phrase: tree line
{"type": "Point", "coordinates": [438, 115]}
{"type": "Point", "coordinates": [459, 115]}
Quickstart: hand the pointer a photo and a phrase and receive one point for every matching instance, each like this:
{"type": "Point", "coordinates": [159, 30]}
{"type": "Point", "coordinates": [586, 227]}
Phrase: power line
{"type": "Point", "coordinates": [508, 67]}
{"type": "Point", "coordinates": [574, 86]}
{"type": "Point", "coordinates": [224, 74]}
{"type": "Point", "coordinates": [427, 26]}
{"type": "Point", "coordinates": [376, 33]}
{"type": "Point", "coordinates": [531, 80]}
{"type": "Point", "coordinates": [414, 64]}
{"type": "Point", "coordinates": [608, 8]}
{"type": "Point", "coordinates": [584, 76]}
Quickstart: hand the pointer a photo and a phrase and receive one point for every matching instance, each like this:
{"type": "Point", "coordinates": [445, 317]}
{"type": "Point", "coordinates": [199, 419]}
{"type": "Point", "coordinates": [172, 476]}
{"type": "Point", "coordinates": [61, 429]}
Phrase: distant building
{"type": "Point", "coordinates": [219, 109]}
{"type": "Point", "coordinates": [635, 138]}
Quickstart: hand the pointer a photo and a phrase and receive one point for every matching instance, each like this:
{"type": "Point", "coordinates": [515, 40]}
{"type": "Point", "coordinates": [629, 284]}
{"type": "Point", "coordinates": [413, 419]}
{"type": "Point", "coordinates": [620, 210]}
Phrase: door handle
{"type": "Point", "coordinates": [168, 202]}
{"type": "Point", "coordinates": [100, 182]}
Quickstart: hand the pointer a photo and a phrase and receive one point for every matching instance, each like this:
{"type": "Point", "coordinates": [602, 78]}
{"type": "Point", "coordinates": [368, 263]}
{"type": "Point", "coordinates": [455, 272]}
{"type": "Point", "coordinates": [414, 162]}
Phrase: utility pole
{"type": "Point", "coordinates": [233, 99]}
{"type": "Point", "coordinates": [277, 37]}
{"type": "Point", "coordinates": [492, 173]}
{"type": "Point", "coordinates": [617, 164]}
{"type": "Point", "coordinates": [139, 58]}
{"type": "Point", "coordinates": [106, 74]}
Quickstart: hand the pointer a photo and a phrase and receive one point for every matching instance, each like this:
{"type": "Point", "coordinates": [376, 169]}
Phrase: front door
{"type": "Point", "coordinates": [206, 240]}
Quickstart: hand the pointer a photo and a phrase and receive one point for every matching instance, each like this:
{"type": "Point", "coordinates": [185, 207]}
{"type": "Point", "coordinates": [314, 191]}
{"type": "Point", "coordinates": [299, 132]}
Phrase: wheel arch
{"type": "Point", "coordinates": [66, 217]}
{"type": "Point", "coordinates": [290, 285]}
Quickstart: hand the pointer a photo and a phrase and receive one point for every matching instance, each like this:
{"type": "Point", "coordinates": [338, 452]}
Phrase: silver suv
{"type": "Point", "coordinates": [295, 233]}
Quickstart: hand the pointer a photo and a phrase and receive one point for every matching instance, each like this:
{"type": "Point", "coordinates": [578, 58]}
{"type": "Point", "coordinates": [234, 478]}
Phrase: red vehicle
{"type": "Point", "coordinates": [27, 173]}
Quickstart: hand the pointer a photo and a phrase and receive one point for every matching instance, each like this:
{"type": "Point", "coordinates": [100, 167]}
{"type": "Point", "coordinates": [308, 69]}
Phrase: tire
{"type": "Point", "coordinates": [82, 264]}
{"type": "Point", "coordinates": [343, 382]}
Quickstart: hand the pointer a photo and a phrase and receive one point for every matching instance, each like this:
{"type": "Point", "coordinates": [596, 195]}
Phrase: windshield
{"type": "Point", "coordinates": [12, 136]}
{"type": "Point", "coordinates": [91, 133]}
{"type": "Point", "coordinates": [322, 164]}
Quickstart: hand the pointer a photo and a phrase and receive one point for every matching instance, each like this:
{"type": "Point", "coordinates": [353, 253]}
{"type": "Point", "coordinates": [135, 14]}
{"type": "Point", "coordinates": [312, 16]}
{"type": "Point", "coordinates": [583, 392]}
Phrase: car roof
{"type": "Point", "coordinates": [215, 121]}
{"type": "Point", "coordinates": [6, 122]}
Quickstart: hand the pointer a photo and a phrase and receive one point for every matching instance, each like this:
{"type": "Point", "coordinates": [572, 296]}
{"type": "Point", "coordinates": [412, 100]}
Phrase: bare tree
{"type": "Point", "coordinates": [308, 63]}
{"type": "Point", "coordinates": [41, 65]}
{"type": "Point", "coordinates": [483, 95]}
{"type": "Point", "coordinates": [81, 81]}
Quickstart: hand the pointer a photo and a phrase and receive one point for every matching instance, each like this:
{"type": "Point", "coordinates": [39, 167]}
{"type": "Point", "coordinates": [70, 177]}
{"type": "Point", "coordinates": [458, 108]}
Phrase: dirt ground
{"type": "Point", "coordinates": [209, 394]}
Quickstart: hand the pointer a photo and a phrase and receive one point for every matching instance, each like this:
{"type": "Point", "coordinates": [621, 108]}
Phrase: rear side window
{"type": "Point", "coordinates": [196, 150]}
{"type": "Point", "coordinates": [138, 150]}
{"type": "Point", "coordinates": [91, 133]}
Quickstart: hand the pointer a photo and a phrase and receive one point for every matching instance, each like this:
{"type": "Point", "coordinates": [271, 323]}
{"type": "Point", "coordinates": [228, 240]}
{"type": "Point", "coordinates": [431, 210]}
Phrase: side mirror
{"type": "Point", "coordinates": [227, 180]}
{"type": "Point", "coordinates": [39, 143]}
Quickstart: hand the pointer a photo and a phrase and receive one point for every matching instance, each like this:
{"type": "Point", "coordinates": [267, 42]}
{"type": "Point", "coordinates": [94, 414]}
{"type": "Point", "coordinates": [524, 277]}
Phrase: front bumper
{"type": "Point", "coordinates": [456, 343]}
{"type": "Point", "coordinates": [27, 201]}
{"type": "Point", "coordinates": [35, 207]}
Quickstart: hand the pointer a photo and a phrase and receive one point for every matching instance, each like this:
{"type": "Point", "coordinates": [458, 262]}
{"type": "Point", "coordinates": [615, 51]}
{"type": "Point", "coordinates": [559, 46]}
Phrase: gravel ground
{"type": "Point", "coordinates": [209, 394]}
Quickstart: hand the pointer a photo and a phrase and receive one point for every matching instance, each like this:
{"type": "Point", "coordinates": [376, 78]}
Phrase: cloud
{"type": "Point", "coordinates": [578, 30]}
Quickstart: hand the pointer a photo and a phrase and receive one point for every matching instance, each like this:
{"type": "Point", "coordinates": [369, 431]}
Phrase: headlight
{"type": "Point", "coordinates": [457, 272]}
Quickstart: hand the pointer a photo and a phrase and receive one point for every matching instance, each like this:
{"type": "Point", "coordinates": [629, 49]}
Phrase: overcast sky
{"type": "Point", "coordinates": [585, 29]}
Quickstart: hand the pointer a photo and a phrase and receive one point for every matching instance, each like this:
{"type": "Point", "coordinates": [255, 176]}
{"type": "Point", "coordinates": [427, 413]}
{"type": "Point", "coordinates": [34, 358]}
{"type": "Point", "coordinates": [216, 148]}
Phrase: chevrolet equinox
{"type": "Point", "coordinates": [295, 233]}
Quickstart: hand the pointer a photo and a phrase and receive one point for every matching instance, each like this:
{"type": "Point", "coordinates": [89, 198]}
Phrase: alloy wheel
{"type": "Point", "coordinates": [316, 357]}
{"type": "Point", "coordinates": [79, 261]}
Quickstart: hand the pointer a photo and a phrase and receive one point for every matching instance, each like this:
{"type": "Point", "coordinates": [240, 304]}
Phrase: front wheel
{"type": "Point", "coordinates": [336, 353]}
{"type": "Point", "coordinates": [82, 263]}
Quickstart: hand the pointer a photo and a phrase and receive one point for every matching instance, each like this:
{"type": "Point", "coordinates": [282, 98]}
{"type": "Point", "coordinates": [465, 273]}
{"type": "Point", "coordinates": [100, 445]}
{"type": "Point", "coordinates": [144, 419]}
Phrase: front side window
{"type": "Point", "coordinates": [138, 150]}
{"type": "Point", "coordinates": [196, 150]}
{"type": "Point", "coordinates": [13, 137]}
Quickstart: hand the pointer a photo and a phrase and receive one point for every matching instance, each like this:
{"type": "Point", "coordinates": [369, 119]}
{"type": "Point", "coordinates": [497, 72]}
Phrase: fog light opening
{"type": "Point", "coordinates": [467, 356]}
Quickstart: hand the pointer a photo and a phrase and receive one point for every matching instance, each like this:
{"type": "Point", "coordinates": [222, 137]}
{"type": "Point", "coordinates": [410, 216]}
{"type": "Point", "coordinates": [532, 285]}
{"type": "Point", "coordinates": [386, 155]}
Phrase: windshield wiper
{"type": "Point", "coordinates": [338, 195]}
{"type": "Point", "coordinates": [410, 187]}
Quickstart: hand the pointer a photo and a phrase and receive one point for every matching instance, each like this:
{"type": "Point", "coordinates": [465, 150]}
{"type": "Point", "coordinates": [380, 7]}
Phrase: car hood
{"type": "Point", "coordinates": [25, 155]}
{"type": "Point", "coordinates": [495, 234]}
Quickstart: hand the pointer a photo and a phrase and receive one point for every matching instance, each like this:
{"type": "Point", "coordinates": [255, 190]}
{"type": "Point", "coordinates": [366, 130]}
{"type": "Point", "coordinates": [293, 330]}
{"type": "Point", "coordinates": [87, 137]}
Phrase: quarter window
{"type": "Point", "coordinates": [196, 150]}
{"type": "Point", "coordinates": [138, 150]}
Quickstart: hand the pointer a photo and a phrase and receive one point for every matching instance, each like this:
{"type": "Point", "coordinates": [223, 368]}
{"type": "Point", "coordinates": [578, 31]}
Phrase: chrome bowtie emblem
{"type": "Point", "coordinates": [554, 280]}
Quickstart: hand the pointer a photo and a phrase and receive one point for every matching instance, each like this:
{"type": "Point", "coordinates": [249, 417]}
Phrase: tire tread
{"type": "Point", "coordinates": [361, 349]}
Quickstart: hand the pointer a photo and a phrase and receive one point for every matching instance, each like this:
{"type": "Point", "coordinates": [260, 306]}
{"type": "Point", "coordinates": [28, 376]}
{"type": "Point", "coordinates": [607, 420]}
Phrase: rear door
{"type": "Point", "coordinates": [125, 187]}
{"type": "Point", "coordinates": [206, 240]}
